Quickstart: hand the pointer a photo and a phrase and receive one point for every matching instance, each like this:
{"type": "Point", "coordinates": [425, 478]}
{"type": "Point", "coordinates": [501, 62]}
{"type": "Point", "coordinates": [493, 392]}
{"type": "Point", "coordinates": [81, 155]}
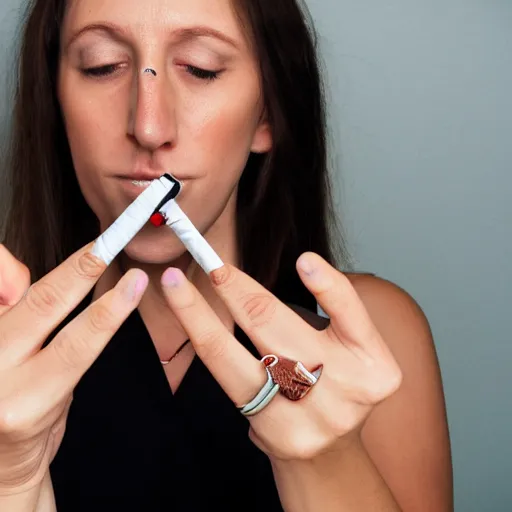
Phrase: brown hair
{"type": "Point", "coordinates": [285, 199]}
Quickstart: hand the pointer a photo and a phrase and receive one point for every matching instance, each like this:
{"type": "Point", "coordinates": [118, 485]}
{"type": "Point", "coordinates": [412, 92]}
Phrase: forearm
{"type": "Point", "coordinates": [340, 482]}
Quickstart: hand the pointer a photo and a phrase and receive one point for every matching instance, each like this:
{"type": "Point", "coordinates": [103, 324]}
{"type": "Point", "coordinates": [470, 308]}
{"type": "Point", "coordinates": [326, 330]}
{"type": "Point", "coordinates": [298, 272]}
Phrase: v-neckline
{"type": "Point", "coordinates": [157, 368]}
{"type": "Point", "coordinates": [195, 366]}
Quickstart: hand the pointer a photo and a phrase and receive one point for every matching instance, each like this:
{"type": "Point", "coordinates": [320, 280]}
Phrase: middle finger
{"type": "Point", "coordinates": [236, 370]}
{"type": "Point", "coordinates": [270, 324]}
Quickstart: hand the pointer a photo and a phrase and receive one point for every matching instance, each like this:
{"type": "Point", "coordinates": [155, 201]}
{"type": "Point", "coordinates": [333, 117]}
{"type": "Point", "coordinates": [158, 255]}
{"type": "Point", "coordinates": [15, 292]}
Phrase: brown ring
{"type": "Point", "coordinates": [294, 380]}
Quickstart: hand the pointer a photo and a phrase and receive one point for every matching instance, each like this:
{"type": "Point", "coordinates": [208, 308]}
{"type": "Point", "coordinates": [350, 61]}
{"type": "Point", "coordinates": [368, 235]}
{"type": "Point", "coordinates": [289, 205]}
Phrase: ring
{"type": "Point", "coordinates": [150, 70]}
{"type": "Point", "coordinates": [294, 380]}
{"type": "Point", "coordinates": [263, 398]}
{"type": "Point", "coordinates": [291, 378]}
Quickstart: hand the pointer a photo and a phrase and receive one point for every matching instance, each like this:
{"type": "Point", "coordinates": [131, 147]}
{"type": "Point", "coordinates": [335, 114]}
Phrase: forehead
{"type": "Point", "coordinates": [144, 17]}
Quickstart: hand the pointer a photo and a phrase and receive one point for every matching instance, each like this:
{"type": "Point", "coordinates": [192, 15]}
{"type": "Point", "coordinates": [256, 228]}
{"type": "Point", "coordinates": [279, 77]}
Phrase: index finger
{"type": "Point", "coordinates": [47, 303]}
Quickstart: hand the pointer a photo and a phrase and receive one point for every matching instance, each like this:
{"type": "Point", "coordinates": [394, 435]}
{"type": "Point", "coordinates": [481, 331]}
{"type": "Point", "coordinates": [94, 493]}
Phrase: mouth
{"type": "Point", "coordinates": [142, 184]}
{"type": "Point", "coordinates": [134, 185]}
{"type": "Point", "coordinates": [142, 180]}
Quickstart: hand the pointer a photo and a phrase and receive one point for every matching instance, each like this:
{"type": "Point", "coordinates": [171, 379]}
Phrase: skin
{"type": "Point", "coordinates": [201, 131]}
{"type": "Point", "coordinates": [372, 434]}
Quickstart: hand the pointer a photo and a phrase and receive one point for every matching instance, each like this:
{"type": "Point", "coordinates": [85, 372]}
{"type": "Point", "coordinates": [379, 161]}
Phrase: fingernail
{"type": "Point", "coordinates": [306, 265]}
{"type": "Point", "coordinates": [135, 286]}
{"type": "Point", "coordinates": [172, 278]}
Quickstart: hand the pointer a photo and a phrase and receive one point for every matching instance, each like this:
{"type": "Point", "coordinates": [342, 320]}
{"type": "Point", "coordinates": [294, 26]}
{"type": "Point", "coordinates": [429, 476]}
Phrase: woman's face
{"type": "Point", "coordinates": [198, 118]}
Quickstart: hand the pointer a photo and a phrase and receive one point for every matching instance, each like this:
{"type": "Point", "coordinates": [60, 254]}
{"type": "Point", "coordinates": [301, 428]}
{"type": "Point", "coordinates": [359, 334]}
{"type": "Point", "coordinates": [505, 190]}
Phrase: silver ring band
{"type": "Point", "coordinates": [263, 398]}
{"type": "Point", "coordinates": [264, 402]}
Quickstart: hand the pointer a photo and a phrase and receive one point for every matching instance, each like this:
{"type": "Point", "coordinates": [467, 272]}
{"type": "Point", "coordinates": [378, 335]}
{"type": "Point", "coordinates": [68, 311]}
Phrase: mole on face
{"type": "Point", "coordinates": [150, 70]}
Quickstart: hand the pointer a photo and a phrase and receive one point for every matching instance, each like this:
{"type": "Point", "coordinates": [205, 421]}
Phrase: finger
{"type": "Point", "coordinates": [46, 304]}
{"type": "Point", "coordinates": [14, 280]}
{"type": "Point", "coordinates": [270, 324]}
{"type": "Point", "coordinates": [239, 374]}
{"type": "Point", "coordinates": [337, 297]}
{"type": "Point", "coordinates": [59, 366]}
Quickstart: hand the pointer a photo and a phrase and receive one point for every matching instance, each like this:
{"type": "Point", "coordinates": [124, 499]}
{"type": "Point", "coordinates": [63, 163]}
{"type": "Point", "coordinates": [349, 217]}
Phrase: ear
{"type": "Point", "coordinates": [262, 140]}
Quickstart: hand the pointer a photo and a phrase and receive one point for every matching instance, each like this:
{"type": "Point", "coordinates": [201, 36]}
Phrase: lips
{"type": "Point", "coordinates": [143, 176]}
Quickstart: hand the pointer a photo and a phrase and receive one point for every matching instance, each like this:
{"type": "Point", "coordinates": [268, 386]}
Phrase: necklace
{"type": "Point", "coordinates": [183, 345]}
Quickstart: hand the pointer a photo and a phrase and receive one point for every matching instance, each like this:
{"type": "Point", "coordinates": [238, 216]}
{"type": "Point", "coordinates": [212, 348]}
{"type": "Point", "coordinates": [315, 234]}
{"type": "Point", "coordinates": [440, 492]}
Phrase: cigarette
{"type": "Point", "coordinates": [134, 218]}
{"type": "Point", "coordinates": [196, 245]}
{"type": "Point", "coordinates": [158, 199]}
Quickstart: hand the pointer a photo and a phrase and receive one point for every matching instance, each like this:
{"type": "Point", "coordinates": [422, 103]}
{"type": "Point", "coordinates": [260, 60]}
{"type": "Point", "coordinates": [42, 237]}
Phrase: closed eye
{"type": "Point", "coordinates": [202, 74]}
{"type": "Point", "coordinates": [109, 69]}
{"type": "Point", "coordinates": [101, 71]}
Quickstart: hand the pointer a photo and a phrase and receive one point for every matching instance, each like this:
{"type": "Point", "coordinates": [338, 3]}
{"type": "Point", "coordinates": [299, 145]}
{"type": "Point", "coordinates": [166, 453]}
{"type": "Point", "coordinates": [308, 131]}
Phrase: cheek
{"type": "Point", "coordinates": [90, 125]}
{"type": "Point", "coordinates": [223, 132]}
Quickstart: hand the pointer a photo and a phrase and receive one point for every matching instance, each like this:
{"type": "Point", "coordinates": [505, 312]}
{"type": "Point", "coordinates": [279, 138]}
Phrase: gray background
{"type": "Point", "coordinates": [421, 115]}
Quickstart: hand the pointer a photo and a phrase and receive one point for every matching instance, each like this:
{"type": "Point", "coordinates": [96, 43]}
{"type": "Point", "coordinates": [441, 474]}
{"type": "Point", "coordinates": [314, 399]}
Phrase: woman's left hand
{"type": "Point", "coordinates": [358, 370]}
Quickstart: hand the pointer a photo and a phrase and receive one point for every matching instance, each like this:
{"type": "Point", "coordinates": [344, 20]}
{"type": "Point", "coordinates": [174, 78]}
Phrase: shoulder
{"type": "Point", "coordinates": [407, 435]}
{"type": "Point", "coordinates": [390, 307]}
{"type": "Point", "coordinates": [395, 313]}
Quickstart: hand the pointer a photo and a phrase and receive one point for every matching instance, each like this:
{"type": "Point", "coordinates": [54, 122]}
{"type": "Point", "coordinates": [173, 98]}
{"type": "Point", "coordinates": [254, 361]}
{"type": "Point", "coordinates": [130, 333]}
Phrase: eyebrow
{"type": "Point", "coordinates": [181, 35]}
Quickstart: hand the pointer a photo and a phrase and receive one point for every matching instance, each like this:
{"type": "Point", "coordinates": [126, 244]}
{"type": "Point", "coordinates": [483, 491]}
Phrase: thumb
{"type": "Point", "coordinates": [14, 280]}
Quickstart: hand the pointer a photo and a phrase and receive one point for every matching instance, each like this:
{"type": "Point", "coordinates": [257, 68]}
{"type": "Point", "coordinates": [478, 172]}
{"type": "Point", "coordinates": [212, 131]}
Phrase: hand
{"type": "Point", "coordinates": [358, 368]}
{"type": "Point", "coordinates": [36, 385]}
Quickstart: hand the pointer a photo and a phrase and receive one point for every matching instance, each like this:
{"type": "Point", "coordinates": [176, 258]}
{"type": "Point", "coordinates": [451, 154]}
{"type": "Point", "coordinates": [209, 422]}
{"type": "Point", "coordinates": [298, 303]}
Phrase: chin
{"type": "Point", "coordinates": [155, 246]}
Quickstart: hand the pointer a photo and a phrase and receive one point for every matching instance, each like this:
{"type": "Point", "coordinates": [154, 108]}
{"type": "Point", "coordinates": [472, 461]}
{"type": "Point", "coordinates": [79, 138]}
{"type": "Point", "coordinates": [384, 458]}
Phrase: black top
{"type": "Point", "coordinates": [131, 444]}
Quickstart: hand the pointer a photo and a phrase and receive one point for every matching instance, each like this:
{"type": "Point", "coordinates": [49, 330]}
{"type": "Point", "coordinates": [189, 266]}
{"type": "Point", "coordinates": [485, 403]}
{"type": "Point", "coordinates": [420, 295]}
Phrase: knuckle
{"type": "Point", "coordinates": [101, 319]}
{"type": "Point", "coordinates": [88, 266]}
{"type": "Point", "coordinates": [23, 274]}
{"type": "Point", "coordinates": [19, 274]}
{"type": "Point", "coordinates": [211, 344]}
{"type": "Point", "coordinates": [341, 424]}
{"type": "Point", "coordinates": [382, 387]}
{"type": "Point", "coordinates": [395, 380]}
{"type": "Point", "coordinates": [12, 422]}
{"type": "Point", "coordinates": [304, 446]}
{"type": "Point", "coordinates": [70, 350]}
{"type": "Point", "coordinates": [260, 308]}
{"type": "Point", "coordinates": [224, 277]}
{"type": "Point", "coordinates": [42, 298]}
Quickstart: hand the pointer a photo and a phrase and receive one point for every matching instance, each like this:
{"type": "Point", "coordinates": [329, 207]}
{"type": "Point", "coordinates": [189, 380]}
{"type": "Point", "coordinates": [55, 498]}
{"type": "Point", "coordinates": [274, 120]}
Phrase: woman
{"type": "Point", "coordinates": [226, 96]}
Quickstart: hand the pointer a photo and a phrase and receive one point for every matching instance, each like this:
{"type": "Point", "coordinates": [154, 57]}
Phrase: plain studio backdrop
{"type": "Point", "coordinates": [420, 109]}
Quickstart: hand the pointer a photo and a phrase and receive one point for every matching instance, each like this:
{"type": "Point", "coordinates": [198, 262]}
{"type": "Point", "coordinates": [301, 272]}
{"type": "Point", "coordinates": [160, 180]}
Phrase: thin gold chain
{"type": "Point", "coordinates": [184, 344]}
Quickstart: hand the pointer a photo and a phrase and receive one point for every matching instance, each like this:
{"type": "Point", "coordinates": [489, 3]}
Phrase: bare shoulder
{"type": "Point", "coordinates": [392, 309]}
{"type": "Point", "coordinates": [407, 435]}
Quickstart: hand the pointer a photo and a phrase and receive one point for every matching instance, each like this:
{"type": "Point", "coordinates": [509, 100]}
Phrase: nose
{"type": "Point", "coordinates": [152, 117]}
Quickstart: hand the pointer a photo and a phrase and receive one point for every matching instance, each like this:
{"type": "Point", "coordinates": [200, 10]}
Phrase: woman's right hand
{"type": "Point", "coordinates": [36, 386]}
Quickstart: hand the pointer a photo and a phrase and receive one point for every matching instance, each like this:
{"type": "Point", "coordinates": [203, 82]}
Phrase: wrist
{"type": "Point", "coordinates": [345, 448]}
{"type": "Point", "coordinates": [318, 483]}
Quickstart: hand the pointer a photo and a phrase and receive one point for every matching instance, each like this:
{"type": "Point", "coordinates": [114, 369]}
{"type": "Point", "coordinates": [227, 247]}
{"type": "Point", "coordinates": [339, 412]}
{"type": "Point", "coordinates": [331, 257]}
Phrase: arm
{"type": "Point", "coordinates": [346, 481]}
{"type": "Point", "coordinates": [323, 455]}
{"type": "Point", "coordinates": [404, 448]}
{"type": "Point", "coordinates": [407, 435]}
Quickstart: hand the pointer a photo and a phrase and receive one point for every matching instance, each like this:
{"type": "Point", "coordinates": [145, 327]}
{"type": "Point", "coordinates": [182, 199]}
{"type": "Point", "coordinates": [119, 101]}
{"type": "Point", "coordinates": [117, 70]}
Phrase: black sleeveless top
{"type": "Point", "coordinates": [133, 445]}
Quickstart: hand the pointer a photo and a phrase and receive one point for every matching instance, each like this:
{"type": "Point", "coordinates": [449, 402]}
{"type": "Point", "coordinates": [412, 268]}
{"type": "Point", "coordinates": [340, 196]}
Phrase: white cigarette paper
{"type": "Point", "coordinates": [196, 245]}
{"type": "Point", "coordinates": [131, 221]}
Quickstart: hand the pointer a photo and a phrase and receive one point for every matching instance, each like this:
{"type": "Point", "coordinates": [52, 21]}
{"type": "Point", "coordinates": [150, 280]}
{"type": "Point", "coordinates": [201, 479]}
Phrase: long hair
{"type": "Point", "coordinates": [285, 196]}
